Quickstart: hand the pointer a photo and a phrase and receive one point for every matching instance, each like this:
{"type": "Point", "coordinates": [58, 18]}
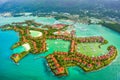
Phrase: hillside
{"type": "Point", "coordinates": [56, 5]}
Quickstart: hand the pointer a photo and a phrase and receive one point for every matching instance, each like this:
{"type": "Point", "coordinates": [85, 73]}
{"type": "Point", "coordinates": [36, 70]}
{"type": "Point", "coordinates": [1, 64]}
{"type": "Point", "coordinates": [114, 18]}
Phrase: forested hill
{"type": "Point", "coordinates": [57, 5]}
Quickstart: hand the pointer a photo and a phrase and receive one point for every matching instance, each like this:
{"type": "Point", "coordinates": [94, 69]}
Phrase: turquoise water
{"type": "Point", "coordinates": [46, 20]}
{"type": "Point", "coordinates": [66, 22]}
{"type": "Point", "coordinates": [30, 69]}
{"type": "Point", "coordinates": [19, 49]}
{"type": "Point", "coordinates": [9, 20]}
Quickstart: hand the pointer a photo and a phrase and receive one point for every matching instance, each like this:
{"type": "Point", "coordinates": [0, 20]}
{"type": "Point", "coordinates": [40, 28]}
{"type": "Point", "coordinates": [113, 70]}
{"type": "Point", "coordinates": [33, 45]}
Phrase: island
{"type": "Point", "coordinates": [33, 36]}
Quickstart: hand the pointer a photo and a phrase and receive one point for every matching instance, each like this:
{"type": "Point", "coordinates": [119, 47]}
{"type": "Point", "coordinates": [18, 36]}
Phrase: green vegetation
{"type": "Point", "coordinates": [90, 49]}
{"type": "Point", "coordinates": [17, 57]}
{"type": "Point", "coordinates": [84, 52]}
{"type": "Point", "coordinates": [113, 26]}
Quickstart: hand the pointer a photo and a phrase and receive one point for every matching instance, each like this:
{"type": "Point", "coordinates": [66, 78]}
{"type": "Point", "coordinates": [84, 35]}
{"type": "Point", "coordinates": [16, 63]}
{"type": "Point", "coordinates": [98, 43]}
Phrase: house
{"type": "Point", "coordinates": [58, 26]}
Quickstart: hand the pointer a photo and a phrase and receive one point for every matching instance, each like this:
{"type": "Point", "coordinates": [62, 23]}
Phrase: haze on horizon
{"type": "Point", "coordinates": [34, 5]}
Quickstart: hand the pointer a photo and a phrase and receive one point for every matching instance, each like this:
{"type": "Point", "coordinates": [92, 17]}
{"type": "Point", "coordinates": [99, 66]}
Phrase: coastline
{"type": "Point", "coordinates": [114, 27]}
{"type": "Point", "coordinates": [38, 45]}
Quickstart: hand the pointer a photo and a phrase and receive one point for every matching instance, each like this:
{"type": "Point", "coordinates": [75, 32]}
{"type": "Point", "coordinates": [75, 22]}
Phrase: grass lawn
{"type": "Point", "coordinates": [90, 49]}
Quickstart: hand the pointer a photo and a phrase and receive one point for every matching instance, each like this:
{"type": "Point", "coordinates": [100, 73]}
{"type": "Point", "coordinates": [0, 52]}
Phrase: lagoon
{"type": "Point", "coordinates": [19, 49]}
{"type": "Point", "coordinates": [30, 69]}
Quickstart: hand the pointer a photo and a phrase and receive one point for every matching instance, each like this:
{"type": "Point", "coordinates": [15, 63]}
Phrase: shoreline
{"type": "Point", "coordinates": [58, 61]}
{"type": "Point", "coordinates": [114, 27]}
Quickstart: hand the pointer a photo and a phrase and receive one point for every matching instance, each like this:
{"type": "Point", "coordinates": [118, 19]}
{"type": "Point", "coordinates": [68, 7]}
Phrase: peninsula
{"type": "Point", "coordinates": [33, 39]}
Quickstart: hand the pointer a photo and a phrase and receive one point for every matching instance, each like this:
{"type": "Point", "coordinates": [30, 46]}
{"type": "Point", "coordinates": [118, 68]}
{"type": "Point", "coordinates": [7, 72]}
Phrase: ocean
{"type": "Point", "coordinates": [31, 69]}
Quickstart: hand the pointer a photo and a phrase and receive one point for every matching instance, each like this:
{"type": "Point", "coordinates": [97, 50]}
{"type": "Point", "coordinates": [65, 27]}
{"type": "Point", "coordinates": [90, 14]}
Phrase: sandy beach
{"type": "Point", "coordinates": [26, 46]}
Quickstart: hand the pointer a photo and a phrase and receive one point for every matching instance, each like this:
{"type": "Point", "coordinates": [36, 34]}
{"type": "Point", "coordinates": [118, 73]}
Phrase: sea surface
{"type": "Point", "coordinates": [32, 67]}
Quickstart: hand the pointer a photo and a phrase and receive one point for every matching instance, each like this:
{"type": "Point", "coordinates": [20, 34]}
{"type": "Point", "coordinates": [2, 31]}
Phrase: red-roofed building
{"type": "Point", "coordinates": [89, 65]}
{"type": "Point", "coordinates": [16, 55]}
{"type": "Point", "coordinates": [60, 70]}
{"type": "Point", "coordinates": [58, 26]}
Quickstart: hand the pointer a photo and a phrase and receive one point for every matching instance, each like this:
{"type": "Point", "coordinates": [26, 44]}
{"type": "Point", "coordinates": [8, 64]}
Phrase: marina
{"type": "Point", "coordinates": [38, 65]}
